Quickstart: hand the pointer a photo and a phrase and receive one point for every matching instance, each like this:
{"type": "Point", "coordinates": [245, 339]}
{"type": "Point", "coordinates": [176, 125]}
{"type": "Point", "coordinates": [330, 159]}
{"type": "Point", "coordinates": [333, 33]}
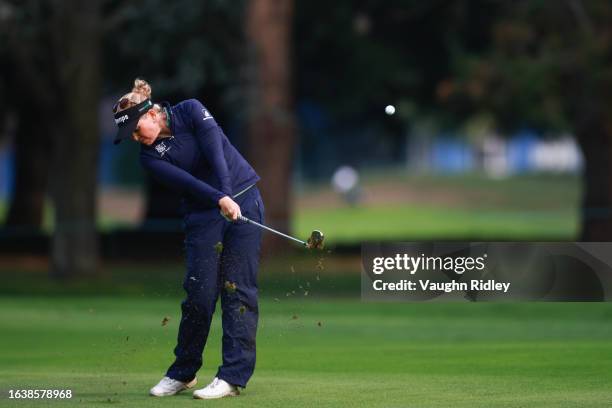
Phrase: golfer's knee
{"type": "Point", "coordinates": [202, 307]}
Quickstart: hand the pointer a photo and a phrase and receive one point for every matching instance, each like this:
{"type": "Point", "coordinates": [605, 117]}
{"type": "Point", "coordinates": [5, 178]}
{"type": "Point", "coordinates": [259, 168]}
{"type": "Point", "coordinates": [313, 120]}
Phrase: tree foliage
{"type": "Point", "coordinates": [546, 63]}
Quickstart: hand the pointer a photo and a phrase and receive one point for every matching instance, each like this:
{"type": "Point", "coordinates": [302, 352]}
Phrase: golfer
{"type": "Point", "coordinates": [183, 147]}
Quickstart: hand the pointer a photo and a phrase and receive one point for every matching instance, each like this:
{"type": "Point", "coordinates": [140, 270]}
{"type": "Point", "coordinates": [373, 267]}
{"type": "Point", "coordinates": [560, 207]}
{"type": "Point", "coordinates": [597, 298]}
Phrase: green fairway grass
{"type": "Point", "coordinates": [471, 206]}
{"type": "Point", "coordinates": [413, 223]}
{"type": "Point", "coordinates": [317, 352]}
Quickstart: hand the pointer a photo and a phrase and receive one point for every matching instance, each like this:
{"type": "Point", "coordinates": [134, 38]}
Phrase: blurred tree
{"type": "Point", "coordinates": [549, 65]}
{"type": "Point", "coordinates": [32, 146]}
{"type": "Point", "coordinates": [358, 56]}
{"type": "Point", "coordinates": [26, 208]}
{"type": "Point", "coordinates": [54, 48]}
{"type": "Point", "coordinates": [271, 127]}
{"type": "Point", "coordinates": [77, 28]}
{"type": "Point", "coordinates": [53, 66]}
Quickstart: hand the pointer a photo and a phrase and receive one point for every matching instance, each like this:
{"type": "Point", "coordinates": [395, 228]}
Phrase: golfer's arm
{"type": "Point", "coordinates": [181, 181]}
{"type": "Point", "coordinates": [211, 145]}
{"type": "Point", "coordinates": [210, 140]}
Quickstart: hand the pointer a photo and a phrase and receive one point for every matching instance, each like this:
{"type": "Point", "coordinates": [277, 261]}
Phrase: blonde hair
{"type": "Point", "coordinates": [140, 92]}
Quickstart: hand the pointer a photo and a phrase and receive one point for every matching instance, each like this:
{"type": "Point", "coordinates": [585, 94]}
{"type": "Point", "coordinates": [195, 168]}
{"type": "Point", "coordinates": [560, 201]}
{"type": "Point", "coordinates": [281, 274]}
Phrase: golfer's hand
{"type": "Point", "coordinates": [229, 208]}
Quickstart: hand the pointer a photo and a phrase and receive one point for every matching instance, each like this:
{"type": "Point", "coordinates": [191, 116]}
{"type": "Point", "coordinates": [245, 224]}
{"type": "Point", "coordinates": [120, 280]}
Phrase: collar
{"type": "Point", "coordinates": [169, 115]}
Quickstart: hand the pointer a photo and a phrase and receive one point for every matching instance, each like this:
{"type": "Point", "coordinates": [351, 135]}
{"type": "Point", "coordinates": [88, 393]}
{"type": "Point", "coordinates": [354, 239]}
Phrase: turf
{"type": "Point", "coordinates": [408, 222]}
{"type": "Point", "coordinates": [110, 350]}
{"type": "Point", "coordinates": [470, 206]}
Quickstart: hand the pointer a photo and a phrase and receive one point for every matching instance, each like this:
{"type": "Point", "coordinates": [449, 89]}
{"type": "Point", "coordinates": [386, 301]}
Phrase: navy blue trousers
{"type": "Point", "coordinates": [227, 270]}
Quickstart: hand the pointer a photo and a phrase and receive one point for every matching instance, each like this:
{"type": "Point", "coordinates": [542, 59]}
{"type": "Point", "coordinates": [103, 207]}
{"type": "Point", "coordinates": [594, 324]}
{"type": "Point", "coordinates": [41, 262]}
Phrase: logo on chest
{"type": "Point", "coordinates": [162, 148]}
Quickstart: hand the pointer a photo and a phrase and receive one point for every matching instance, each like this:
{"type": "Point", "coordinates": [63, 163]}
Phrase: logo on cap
{"type": "Point", "coordinates": [121, 119]}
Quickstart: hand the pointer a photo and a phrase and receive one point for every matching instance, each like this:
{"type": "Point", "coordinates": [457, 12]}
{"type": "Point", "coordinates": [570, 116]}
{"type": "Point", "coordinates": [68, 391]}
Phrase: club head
{"type": "Point", "coordinates": [315, 241]}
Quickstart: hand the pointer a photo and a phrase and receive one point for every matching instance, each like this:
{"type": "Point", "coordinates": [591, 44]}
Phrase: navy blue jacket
{"type": "Point", "coordinates": [197, 160]}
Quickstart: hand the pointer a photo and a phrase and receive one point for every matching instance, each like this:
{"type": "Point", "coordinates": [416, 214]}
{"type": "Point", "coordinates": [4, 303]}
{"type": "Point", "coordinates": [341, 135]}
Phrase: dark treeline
{"type": "Point", "coordinates": [523, 63]}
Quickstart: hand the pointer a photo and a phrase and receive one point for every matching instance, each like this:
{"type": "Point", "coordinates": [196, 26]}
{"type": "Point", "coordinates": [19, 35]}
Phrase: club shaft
{"type": "Point", "coordinates": [245, 219]}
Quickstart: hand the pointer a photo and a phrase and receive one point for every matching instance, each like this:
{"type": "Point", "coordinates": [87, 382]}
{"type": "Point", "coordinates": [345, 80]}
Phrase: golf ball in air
{"type": "Point", "coordinates": [389, 109]}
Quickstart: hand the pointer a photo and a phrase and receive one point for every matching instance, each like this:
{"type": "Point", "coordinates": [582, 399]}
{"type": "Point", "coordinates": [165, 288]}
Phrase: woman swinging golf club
{"type": "Point", "coordinates": [183, 147]}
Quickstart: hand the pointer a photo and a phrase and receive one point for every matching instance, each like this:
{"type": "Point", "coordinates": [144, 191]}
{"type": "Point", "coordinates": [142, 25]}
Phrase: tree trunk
{"type": "Point", "coordinates": [595, 138]}
{"type": "Point", "coordinates": [54, 47]}
{"type": "Point", "coordinates": [271, 126]}
{"type": "Point", "coordinates": [32, 148]}
{"type": "Point", "coordinates": [75, 240]}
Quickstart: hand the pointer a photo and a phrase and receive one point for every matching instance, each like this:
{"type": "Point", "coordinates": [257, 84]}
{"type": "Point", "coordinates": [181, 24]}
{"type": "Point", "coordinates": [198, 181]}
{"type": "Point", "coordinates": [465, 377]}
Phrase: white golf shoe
{"type": "Point", "coordinates": [218, 388]}
{"type": "Point", "coordinates": [168, 386]}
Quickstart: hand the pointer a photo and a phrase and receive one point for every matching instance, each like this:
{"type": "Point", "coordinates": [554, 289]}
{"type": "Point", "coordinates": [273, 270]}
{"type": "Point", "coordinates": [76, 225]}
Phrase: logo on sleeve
{"type": "Point", "coordinates": [206, 114]}
{"type": "Point", "coordinates": [162, 148]}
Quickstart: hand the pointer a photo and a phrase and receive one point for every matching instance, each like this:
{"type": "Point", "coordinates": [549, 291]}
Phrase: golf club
{"type": "Point", "coordinates": [315, 241]}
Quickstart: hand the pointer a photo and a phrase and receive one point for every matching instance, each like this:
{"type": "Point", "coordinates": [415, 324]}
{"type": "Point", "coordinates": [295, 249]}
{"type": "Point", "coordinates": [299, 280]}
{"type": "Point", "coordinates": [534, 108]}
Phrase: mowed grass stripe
{"type": "Point", "coordinates": [412, 222]}
{"type": "Point", "coordinates": [404, 355]}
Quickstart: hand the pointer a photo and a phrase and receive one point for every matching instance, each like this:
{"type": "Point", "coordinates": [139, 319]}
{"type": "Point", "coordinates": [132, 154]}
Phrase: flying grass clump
{"type": "Point", "coordinates": [230, 287]}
